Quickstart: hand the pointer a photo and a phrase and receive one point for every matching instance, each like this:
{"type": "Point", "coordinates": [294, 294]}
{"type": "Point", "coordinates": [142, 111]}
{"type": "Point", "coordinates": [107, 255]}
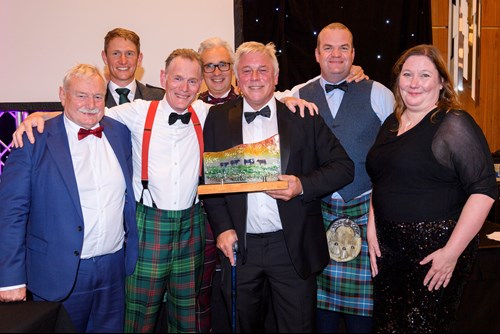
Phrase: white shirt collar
{"type": "Point", "coordinates": [132, 86]}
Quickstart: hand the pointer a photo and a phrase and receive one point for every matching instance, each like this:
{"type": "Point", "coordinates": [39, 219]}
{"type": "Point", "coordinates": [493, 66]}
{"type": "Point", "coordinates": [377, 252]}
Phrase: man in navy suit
{"type": "Point", "coordinates": [280, 233]}
{"type": "Point", "coordinates": [67, 221]}
{"type": "Point", "coordinates": [122, 56]}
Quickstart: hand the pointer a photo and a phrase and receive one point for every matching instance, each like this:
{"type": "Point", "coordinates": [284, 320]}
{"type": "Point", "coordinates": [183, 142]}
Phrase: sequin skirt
{"type": "Point", "coordinates": [402, 303]}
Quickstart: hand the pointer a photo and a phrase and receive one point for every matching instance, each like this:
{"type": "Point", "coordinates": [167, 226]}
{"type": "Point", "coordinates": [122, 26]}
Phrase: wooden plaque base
{"type": "Point", "coordinates": [207, 189]}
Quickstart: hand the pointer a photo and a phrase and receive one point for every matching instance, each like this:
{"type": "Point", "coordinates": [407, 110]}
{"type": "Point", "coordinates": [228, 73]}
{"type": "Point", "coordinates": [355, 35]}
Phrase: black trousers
{"type": "Point", "coordinates": [268, 266]}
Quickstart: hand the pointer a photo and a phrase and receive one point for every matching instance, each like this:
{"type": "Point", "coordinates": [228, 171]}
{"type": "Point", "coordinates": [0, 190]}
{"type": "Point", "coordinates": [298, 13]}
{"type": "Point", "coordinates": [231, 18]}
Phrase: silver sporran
{"type": "Point", "coordinates": [344, 240]}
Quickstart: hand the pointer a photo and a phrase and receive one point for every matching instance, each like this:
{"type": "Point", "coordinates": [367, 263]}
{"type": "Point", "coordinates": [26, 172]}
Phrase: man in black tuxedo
{"type": "Point", "coordinates": [122, 55]}
{"type": "Point", "coordinates": [280, 233]}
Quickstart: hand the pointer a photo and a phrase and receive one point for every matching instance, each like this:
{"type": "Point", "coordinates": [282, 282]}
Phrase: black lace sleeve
{"type": "Point", "coordinates": [460, 145]}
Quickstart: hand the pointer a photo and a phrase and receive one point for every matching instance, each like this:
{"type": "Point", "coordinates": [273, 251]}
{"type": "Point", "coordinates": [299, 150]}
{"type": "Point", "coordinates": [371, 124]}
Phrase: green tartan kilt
{"type": "Point", "coordinates": [347, 287]}
{"type": "Point", "coordinates": [170, 262]}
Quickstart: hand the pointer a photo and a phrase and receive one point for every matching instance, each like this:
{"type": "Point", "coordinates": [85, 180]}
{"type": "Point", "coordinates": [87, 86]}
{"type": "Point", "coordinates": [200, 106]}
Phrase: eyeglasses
{"type": "Point", "coordinates": [222, 66]}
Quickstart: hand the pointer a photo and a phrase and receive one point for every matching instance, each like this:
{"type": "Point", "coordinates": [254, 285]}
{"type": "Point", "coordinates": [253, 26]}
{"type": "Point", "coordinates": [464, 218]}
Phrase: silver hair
{"type": "Point", "coordinates": [214, 42]}
{"type": "Point", "coordinates": [82, 71]}
{"type": "Point", "coordinates": [268, 49]}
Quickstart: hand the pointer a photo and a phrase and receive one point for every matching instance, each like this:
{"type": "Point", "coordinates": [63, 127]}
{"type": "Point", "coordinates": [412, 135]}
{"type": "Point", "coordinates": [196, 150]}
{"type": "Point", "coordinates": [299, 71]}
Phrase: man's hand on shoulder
{"type": "Point", "coordinates": [293, 102]}
{"type": "Point", "coordinates": [356, 74]}
{"type": "Point", "coordinates": [37, 120]}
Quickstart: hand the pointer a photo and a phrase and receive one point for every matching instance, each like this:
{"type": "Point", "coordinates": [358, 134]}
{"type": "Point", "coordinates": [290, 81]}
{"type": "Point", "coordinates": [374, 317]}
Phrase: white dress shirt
{"type": "Point", "coordinates": [262, 213]}
{"type": "Point", "coordinates": [295, 90]}
{"type": "Point", "coordinates": [174, 153]}
{"type": "Point", "coordinates": [101, 187]}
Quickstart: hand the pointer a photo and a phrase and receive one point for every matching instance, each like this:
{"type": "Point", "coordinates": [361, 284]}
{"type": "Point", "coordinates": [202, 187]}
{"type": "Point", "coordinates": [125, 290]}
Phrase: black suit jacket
{"type": "Point", "coordinates": [143, 92]}
{"type": "Point", "coordinates": [310, 151]}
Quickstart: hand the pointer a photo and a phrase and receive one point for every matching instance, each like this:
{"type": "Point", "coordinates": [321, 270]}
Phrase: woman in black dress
{"type": "Point", "coordinates": [433, 186]}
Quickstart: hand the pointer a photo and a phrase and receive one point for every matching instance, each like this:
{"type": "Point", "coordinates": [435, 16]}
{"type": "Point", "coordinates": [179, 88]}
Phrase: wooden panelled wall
{"type": "Point", "coordinates": [486, 111]}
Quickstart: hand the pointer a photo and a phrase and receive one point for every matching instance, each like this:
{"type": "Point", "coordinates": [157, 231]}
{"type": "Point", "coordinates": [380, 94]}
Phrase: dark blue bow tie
{"type": "Point", "coordinates": [265, 112]}
{"type": "Point", "coordinates": [342, 86]}
{"type": "Point", "coordinates": [175, 116]}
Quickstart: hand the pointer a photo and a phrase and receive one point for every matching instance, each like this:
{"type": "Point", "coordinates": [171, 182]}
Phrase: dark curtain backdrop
{"type": "Point", "coordinates": [382, 29]}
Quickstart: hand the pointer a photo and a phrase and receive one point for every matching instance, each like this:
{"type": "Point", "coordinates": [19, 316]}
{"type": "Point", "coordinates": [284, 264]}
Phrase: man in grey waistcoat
{"type": "Point", "coordinates": [354, 112]}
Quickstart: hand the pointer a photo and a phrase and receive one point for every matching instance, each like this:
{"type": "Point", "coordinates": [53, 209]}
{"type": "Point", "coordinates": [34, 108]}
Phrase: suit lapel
{"type": "Point", "coordinates": [114, 141]}
{"type": "Point", "coordinates": [235, 129]}
{"type": "Point", "coordinates": [284, 130]}
{"type": "Point", "coordinates": [140, 91]}
{"type": "Point", "coordinates": [110, 101]}
{"type": "Point", "coordinates": [57, 144]}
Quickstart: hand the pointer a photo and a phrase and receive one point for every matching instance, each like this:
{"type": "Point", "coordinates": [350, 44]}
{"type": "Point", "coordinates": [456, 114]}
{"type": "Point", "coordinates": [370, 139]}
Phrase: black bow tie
{"type": "Point", "coordinates": [342, 86]}
{"type": "Point", "coordinates": [175, 116]}
{"type": "Point", "coordinates": [82, 133]}
{"type": "Point", "coordinates": [250, 116]}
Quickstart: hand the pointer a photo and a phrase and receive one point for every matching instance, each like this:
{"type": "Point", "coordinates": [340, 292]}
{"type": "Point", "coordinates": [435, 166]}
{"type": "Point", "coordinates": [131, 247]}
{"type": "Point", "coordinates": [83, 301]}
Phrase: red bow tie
{"type": "Point", "coordinates": [82, 133]}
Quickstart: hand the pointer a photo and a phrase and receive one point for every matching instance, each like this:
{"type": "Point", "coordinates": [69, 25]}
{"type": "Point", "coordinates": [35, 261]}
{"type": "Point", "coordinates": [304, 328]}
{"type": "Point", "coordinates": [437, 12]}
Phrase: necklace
{"type": "Point", "coordinates": [408, 123]}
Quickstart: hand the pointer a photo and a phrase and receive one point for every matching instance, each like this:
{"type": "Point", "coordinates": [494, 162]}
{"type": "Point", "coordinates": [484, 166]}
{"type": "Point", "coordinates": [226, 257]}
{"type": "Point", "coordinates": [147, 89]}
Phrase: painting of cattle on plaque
{"type": "Point", "coordinates": [256, 162]}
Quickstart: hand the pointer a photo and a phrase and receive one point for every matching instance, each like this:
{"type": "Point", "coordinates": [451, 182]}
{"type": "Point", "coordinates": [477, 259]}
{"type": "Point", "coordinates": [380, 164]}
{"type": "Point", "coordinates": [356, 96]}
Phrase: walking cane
{"type": "Point", "coordinates": [233, 289]}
